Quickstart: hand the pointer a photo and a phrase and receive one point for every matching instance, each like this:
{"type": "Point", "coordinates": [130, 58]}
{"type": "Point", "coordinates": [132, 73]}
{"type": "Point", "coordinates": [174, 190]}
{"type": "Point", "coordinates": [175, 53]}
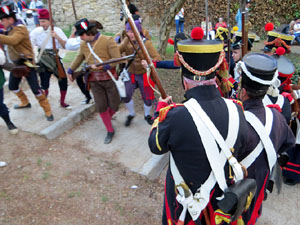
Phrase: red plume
{"type": "Point", "coordinates": [280, 51]}
{"type": "Point", "coordinates": [269, 27]}
{"type": "Point", "coordinates": [171, 41]}
{"type": "Point", "coordinates": [197, 33]}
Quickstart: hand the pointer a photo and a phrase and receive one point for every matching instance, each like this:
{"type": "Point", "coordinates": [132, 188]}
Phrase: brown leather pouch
{"type": "Point", "coordinates": [20, 71]}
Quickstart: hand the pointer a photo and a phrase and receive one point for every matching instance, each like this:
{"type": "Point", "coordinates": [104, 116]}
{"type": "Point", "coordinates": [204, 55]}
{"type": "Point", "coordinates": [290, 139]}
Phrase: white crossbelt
{"type": "Point", "coordinates": [43, 45]}
{"type": "Point", "coordinates": [195, 204]}
{"type": "Point", "coordinates": [264, 134]}
{"type": "Point", "coordinates": [279, 101]}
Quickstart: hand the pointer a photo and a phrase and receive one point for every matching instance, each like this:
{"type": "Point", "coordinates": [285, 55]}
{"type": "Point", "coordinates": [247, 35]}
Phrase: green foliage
{"type": "Point", "coordinates": [68, 30]}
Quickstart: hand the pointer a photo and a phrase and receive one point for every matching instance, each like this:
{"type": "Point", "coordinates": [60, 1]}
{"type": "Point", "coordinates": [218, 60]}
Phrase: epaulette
{"type": "Point", "coordinates": [238, 102]}
{"type": "Point", "coordinates": [164, 111]}
{"type": "Point", "coordinates": [163, 114]}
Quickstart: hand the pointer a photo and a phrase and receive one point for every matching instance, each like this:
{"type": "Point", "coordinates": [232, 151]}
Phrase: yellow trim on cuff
{"type": "Point", "coordinates": [282, 36]}
{"type": "Point", "coordinates": [200, 48]}
{"type": "Point", "coordinates": [156, 139]}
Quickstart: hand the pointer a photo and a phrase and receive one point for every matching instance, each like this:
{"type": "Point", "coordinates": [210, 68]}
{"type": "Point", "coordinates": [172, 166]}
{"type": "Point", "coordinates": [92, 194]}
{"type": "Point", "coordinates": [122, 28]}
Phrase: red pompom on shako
{"type": "Point", "coordinates": [280, 51]}
{"type": "Point", "coordinates": [269, 27]}
{"type": "Point", "coordinates": [171, 41]}
{"type": "Point", "coordinates": [197, 33]}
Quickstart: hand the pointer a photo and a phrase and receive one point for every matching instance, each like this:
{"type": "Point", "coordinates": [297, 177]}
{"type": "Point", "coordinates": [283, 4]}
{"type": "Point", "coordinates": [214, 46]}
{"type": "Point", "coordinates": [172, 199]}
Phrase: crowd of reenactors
{"type": "Point", "coordinates": [231, 139]}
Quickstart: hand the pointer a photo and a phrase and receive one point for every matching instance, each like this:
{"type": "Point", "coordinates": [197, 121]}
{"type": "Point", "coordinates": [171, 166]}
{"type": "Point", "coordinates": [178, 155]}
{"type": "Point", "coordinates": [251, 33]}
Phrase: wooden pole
{"type": "Point", "coordinates": [61, 71]}
{"type": "Point", "coordinates": [229, 33]}
{"type": "Point", "coordinates": [74, 10]}
{"type": "Point", "coordinates": [244, 30]}
{"type": "Point", "coordinates": [206, 18]}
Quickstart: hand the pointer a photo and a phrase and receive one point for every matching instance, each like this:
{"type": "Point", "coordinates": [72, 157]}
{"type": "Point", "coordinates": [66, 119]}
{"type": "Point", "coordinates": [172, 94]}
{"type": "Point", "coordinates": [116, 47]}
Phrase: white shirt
{"type": "Point", "coordinates": [2, 57]}
{"type": "Point", "coordinates": [297, 26]}
{"type": "Point", "coordinates": [179, 14]}
{"type": "Point", "coordinates": [73, 44]}
{"type": "Point", "coordinates": [38, 35]}
{"type": "Point", "coordinates": [35, 5]}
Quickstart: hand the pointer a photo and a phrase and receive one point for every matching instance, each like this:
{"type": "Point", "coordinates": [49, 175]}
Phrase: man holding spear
{"type": "Point", "coordinates": [42, 38]}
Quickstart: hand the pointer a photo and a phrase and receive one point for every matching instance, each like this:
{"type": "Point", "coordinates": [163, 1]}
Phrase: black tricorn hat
{"type": "Point", "coordinates": [6, 10]}
{"type": "Point", "coordinates": [82, 26]}
{"type": "Point", "coordinates": [200, 58]}
{"type": "Point", "coordinates": [258, 71]}
{"type": "Point", "coordinates": [238, 42]}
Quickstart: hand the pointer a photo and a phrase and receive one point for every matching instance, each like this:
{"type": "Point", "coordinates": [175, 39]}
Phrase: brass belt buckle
{"type": "Point", "coordinates": [185, 188]}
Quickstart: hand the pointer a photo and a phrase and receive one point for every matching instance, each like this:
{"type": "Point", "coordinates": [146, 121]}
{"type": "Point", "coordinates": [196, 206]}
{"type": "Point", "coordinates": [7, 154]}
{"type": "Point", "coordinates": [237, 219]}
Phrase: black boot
{"type": "Point", "coordinates": [109, 137]}
{"type": "Point", "coordinates": [10, 126]}
{"type": "Point", "coordinates": [149, 119]}
{"type": "Point", "coordinates": [128, 120]}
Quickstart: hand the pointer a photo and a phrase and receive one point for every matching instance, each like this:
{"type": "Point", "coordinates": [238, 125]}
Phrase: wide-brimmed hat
{"type": "Point", "coordinates": [82, 26]}
{"type": "Point", "coordinates": [6, 11]}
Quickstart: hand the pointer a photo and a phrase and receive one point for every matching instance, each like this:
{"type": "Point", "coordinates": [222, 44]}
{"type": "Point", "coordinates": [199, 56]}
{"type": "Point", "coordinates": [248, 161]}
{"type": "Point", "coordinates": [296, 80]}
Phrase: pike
{"type": "Point", "coordinates": [244, 28]}
{"type": "Point", "coordinates": [60, 69]}
{"type": "Point", "coordinates": [206, 18]}
{"type": "Point", "coordinates": [229, 33]}
{"type": "Point", "coordinates": [154, 75]}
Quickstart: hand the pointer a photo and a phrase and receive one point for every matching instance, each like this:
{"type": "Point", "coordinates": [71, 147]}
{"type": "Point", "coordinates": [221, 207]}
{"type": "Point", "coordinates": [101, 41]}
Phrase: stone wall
{"type": "Point", "coordinates": [107, 12]}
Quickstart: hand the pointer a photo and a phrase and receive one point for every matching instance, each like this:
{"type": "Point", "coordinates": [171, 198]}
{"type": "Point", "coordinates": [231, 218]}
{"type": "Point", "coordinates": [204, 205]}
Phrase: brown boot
{"type": "Point", "coordinates": [46, 106]}
{"type": "Point", "coordinates": [24, 100]}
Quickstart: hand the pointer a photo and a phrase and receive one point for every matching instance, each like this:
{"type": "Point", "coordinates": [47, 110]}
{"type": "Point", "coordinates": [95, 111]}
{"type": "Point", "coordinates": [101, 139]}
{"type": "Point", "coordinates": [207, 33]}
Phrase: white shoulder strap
{"type": "Point", "coordinates": [263, 132]}
{"type": "Point", "coordinates": [100, 61]}
{"type": "Point", "coordinates": [279, 101]}
{"type": "Point", "coordinates": [205, 126]}
{"type": "Point", "coordinates": [201, 197]}
{"type": "Point", "coordinates": [267, 100]}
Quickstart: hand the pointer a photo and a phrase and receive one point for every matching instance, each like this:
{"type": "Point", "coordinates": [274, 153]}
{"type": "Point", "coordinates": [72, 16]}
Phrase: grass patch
{"type": "Point", "coordinates": [120, 208]}
{"type": "Point", "coordinates": [104, 198]}
{"type": "Point", "coordinates": [45, 175]}
{"type": "Point", "coordinates": [39, 161]}
{"type": "Point", "coordinates": [69, 57]}
{"type": "Point", "coordinates": [4, 195]}
{"type": "Point", "coordinates": [68, 30]}
{"type": "Point", "coordinates": [74, 194]}
{"type": "Point", "coordinates": [295, 60]}
{"type": "Point", "coordinates": [108, 34]}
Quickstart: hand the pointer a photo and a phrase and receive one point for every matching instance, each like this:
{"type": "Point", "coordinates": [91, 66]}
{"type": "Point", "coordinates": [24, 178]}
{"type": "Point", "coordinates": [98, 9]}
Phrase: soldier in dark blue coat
{"type": "Point", "coordinates": [258, 72]}
{"type": "Point", "coordinates": [175, 131]}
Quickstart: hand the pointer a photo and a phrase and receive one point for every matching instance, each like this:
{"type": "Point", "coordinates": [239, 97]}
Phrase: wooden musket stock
{"type": "Point", "coordinates": [60, 69]}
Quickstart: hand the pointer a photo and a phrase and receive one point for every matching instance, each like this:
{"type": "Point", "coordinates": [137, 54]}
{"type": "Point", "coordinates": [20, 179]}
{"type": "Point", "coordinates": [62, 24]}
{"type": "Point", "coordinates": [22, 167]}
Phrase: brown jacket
{"type": "Point", "coordinates": [18, 42]}
{"type": "Point", "coordinates": [136, 66]}
{"type": "Point", "coordinates": [106, 48]}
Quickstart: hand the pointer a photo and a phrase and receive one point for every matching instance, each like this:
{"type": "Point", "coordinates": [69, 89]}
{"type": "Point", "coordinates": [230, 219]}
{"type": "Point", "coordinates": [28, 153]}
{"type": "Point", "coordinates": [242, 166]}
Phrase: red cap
{"type": "Point", "coordinates": [43, 14]}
